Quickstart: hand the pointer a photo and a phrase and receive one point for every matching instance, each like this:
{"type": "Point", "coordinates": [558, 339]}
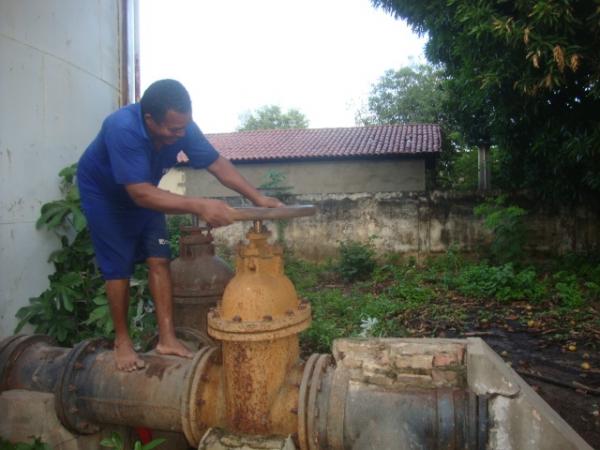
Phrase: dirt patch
{"type": "Point", "coordinates": [563, 370]}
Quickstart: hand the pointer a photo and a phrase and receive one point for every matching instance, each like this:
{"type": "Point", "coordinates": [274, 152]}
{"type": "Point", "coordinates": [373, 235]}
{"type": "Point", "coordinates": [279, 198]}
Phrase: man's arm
{"type": "Point", "coordinates": [229, 177]}
{"type": "Point", "coordinates": [215, 212]}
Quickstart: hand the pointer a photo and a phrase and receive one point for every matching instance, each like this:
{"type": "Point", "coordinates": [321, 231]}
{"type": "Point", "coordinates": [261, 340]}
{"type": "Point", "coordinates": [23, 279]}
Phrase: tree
{"type": "Point", "coordinates": [523, 76]}
{"type": "Point", "coordinates": [411, 94]}
{"type": "Point", "coordinates": [271, 117]}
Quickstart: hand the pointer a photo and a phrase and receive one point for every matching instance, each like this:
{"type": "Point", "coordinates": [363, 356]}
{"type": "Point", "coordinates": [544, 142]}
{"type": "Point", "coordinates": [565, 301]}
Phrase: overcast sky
{"type": "Point", "coordinates": [318, 56]}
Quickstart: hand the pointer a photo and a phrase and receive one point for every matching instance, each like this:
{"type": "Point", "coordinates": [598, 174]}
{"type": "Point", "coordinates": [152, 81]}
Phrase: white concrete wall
{"type": "Point", "coordinates": [314, 177]}
{"type": "Point", "coordinates": [59, 77]}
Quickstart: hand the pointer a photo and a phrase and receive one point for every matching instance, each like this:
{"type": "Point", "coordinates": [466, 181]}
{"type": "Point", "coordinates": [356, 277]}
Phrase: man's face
{"type": "Point", "coordinates": [170, 129]}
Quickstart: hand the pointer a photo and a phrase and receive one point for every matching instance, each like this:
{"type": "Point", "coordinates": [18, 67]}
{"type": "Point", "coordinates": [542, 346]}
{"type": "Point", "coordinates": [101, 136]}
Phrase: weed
{"type": "Point", "coordinates": [500, 282]}
{"type": "Point", "coordinates": [116, 441]}
{"type": "Point", "coordinates": [506, 225]}
{"type": "Point", "coordinates": [357, 260]}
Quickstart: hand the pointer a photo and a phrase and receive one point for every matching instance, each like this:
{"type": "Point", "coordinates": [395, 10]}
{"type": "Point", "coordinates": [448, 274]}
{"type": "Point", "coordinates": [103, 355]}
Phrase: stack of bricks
{"type": "Point", "coordinates": [403, 363]}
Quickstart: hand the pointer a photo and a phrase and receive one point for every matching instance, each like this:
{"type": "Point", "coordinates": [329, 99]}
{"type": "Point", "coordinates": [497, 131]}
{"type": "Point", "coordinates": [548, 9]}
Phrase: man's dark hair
{"type": "Point", "coordinates": [163, 95]}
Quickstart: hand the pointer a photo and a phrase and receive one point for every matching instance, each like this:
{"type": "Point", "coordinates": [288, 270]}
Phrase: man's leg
{"type": "Point", "coordinates": [118, 299]}
{"type": "Point", "coordinates": [159, 280]}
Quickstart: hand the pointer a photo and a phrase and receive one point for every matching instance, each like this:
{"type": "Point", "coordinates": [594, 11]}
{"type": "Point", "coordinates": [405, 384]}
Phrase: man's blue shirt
{"type": "Point", "coordinates": [122, 153]}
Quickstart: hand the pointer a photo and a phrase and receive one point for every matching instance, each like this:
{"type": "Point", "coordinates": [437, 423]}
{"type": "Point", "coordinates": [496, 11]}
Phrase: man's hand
{"type": "Point", "coordinates": [268, 202]}
{"type": "Point", "coordinates": [214, 212]}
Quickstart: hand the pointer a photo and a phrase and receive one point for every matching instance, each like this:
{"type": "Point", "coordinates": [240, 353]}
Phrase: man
{"type": "Point", "coordinates": [118, 176]}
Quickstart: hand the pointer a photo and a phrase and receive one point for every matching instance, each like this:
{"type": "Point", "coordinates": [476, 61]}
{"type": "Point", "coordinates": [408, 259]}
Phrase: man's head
{"type": "Point", "coordinates": [167, 109]}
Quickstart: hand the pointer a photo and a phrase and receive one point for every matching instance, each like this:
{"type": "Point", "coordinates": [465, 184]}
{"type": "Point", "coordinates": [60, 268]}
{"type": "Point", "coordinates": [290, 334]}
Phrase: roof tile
{"type": "Point", "coordinates": [376, 140]}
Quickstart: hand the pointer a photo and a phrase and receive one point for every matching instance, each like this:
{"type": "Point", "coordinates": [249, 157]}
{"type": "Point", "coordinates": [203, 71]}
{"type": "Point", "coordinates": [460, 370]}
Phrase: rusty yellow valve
{"type": "Point", "coordinates": [258, 321]}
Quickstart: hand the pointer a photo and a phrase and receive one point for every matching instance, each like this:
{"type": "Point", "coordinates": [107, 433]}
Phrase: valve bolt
{"type": "Point", "coordinates": [294, 411]}
{"type": "Point", "coordinates": [200, 402]}
{"type": "Point", "coordinates": [237, 319]}
{"type": "Point", "coordinates": [267, 318]}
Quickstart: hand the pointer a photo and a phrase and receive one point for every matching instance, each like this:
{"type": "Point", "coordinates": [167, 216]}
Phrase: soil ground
{"type": "Point", "coordinates": [564, 371]}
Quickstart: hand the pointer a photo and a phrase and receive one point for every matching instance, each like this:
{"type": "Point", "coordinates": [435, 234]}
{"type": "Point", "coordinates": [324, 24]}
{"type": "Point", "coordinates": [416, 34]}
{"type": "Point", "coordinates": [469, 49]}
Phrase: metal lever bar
{"type": "Point", "coordinates": [286, 212]}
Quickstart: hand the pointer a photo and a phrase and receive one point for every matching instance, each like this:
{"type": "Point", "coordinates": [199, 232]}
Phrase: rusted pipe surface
{"type": "Point", "coordinates": [30, 362]}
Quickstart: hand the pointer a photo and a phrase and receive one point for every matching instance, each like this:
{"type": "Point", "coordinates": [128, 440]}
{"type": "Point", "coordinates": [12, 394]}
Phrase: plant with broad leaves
{"type": "Point", "coordinates": [75, 306]}
{"type": "Point", "coordinates": [507, 227]}
{"type": "Point", "coordinates": [116, 441]}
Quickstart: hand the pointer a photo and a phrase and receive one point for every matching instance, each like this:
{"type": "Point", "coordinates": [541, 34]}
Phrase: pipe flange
{"type": "Point", "coordinates": [191, 404]}
{"type": "Point", "coordinates": [307, 398]}
{"type": "Point", "coordinates": [336, 408]}
{"type": "Point", "coordinates": [312, 411]}
{"type": "Point", "coordinates": [12, 348]}
{"type": "Point", "coordinates": [77, 362]}
{"type": "Point", "coordinates": [302, 393]}
{"type": "Point", "coordinates": [260, 330]}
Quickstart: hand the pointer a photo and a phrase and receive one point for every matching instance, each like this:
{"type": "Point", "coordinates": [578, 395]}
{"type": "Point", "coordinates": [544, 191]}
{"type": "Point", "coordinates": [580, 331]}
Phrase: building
{"type": "Point", "coordinates": [382, 158]}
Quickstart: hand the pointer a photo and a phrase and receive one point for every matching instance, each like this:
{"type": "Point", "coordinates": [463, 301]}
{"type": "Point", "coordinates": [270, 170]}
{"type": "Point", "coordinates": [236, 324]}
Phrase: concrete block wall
{"type": "Point", "coordinates": [416, 223]}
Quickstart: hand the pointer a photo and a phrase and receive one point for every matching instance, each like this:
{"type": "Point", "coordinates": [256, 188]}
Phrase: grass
{"type": "Point", "coordinates": [448, 296]}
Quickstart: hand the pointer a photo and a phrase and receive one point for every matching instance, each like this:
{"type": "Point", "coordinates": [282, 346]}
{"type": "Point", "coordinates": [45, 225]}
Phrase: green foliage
{"type": "Point", "coordinates": [37, 444]}
{"type": "Point", "coordinates": [65, 214]}
{"type": "Point", "coordinates": [506, 224]}
{"type": "Point", "coordinates": [411, 94]}
{"type": "Point", "coordinates": [271, 117]}
{"type": "Point", "coordinates": [275, 184]}
{"type": "Point", "coordinates": [173, 224]}
{"type": "Point", "coordinates": [400, 290]}
{"type": "Point", "coordinates": [522, 76]}
{"type": "Point", "coordinates": [116, 441]}
{"type": "Point", "coordinates": [74, 306]}
{"type": "Point", "coordinates": [502, 283]}
{"type": "Point", "coordinates": [357, 260]}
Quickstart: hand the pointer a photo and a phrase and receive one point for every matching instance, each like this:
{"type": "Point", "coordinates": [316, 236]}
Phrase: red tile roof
{"type": "Point", "coordinates": [377, 140]}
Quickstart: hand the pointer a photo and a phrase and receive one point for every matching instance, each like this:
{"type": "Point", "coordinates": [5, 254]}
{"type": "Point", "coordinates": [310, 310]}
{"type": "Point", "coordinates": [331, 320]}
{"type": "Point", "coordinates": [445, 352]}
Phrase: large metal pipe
{"type": "Point", "coordinates": [319, 400]}
{"type": "Point", "coordinates": [255, 383]}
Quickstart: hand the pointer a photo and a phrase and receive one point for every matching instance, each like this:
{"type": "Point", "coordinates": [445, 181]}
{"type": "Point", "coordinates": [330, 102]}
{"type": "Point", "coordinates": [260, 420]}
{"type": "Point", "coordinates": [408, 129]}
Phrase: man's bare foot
{"type": "Point", "coordinates": [173, 346]}
{"type": "Point", "coordinates": [126, 358]}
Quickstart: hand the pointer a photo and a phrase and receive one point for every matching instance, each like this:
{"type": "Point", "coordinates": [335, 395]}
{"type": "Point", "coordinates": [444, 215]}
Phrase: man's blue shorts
{"type": "Point", "coordinates": [123, 237]}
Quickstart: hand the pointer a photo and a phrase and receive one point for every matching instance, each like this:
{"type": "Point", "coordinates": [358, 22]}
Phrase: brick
{"type": "Point", "coordinates": [442, 377]}
{"type": "Point", "coordinates": [445, 359]}
{"type": "Point", "coordinates": [421, 362]}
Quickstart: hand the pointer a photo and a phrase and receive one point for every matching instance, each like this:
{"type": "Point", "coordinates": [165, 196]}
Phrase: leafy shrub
{"type": "Point", "coordinates": [74, 306]}
{"type": "Point", "coordinates": [357, 260]}
{"type": "Point", "coordinates": [507, 227]}
{"type": "Point", "coordinates": [568, 290]}
{"type": "Point", "coordinates": [500, 282]}
{"type": "Point", "coordinates": [334, 316]}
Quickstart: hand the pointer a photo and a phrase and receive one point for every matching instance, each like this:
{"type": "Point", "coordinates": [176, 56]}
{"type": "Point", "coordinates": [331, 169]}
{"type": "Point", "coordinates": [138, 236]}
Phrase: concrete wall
{"type": "Point", "coordinates": [417, 223]}
{"type": "Point", "coordinates": [59, 77]}
{"type": "Point", "coordinates": [323, 177]}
